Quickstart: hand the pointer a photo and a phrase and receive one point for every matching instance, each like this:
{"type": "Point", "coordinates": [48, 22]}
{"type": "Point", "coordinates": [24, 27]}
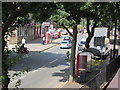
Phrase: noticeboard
{"type": "Point", "coordinates": [99, 41]}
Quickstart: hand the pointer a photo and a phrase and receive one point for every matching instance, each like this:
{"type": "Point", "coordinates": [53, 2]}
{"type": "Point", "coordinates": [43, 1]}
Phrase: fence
{"type": "Point", "coordinates": [104, 76]}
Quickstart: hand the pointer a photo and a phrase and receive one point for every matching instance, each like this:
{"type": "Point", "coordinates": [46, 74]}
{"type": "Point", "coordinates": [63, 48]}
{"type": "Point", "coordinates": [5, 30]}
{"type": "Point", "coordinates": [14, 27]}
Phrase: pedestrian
{"type": "Point", "coordinates": [22, 43]}
{"type": "Point", "coordinates": [23, 40]}
{"type": "Point", "coordinates": [43, 40]}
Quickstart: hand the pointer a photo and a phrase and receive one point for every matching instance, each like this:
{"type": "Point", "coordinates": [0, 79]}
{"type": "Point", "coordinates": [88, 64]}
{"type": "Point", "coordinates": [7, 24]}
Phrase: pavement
{"type": "Point", "coordinates": [35, 45]}
{"type": "Point", "coordinates": [71, 86]}
{"type": "Point", "coordinates": [115, 81]}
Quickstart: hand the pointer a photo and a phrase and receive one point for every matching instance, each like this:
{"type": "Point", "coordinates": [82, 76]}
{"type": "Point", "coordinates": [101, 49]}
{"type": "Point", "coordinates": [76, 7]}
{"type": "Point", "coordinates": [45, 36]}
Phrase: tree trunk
{"type": "Point", "coordinates": [67, 30]}
{"type": "Point", "coordinates": [108, 33]}
{"type": "Point", "coordinates": [6, 79]}
{"type": "Point", "coordinates": [5, 66]}
{"type": "Point", "coordinates": [90, 34]}
{"type": "Point", "coordinates": [73, 50]}
{"type": "Point", "coordinates": [87, 27]}
{"type": "Point", "coordinates": [88, 31]}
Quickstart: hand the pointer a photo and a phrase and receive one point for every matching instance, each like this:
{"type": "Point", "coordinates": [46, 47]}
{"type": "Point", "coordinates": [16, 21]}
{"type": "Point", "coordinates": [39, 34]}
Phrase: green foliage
{"type": "Point", "coordinates": [60, 17]}
{"type": "Point", "coordinates": [1, 78]}
{"type": "Point", "coordinates": [42, 11]}
{"type": "Point", "coordinates": [106, 16]}
{"type": "Point", "coordinates": [14, 15]}
{"type": "Point", "coordinates": [86, 6]}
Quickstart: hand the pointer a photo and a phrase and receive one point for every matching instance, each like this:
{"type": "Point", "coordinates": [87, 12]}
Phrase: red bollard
{"type": "Point", "coordinates": [77, 65]}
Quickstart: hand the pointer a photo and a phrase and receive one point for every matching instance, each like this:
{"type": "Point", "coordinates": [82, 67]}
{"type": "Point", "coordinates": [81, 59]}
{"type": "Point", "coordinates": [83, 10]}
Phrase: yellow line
{"type": "Point", "coordinates": [49, 48]}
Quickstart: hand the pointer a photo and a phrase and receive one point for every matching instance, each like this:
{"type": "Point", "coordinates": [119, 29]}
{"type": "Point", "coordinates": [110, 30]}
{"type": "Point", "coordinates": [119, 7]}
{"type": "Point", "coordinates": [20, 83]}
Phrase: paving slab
{"type": "Point", "coordinates": [71, 85]}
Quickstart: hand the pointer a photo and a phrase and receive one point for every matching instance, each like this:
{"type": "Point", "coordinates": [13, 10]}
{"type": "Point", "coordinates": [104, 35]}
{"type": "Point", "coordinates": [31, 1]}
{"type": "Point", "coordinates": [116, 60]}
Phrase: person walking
{"type": "Point", "coordinates": [43, 40]}
{"type": "Point", "coordinates": [23, 40]}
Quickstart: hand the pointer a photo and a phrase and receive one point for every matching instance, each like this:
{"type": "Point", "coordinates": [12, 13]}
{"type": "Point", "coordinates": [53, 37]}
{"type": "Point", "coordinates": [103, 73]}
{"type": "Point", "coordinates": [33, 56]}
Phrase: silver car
{"type": "Point", "coordinates": [66, 44]}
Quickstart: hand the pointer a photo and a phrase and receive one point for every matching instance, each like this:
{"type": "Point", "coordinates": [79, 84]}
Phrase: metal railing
{"type": "Point", "coordinates": [104, 76]}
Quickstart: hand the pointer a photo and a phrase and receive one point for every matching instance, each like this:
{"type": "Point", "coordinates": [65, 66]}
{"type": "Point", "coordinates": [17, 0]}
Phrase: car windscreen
{"type": "Point", "coordinates": [64, 42]}
{"type": "Point", "coordinates": [82, 42]}
{"type": "Point", "coordinates": [64, 31]}
{"type": "Point", "coordinates": [66, 39]}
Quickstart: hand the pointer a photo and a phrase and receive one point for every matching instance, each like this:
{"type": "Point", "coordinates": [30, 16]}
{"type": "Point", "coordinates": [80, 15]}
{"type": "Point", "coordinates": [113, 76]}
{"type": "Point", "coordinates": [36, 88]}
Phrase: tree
{"type": "Point", "coordinates": [102, 17]}
{"type": "Point", "coordinates": [69, 14]}
{"type": "Point", "coordinates": [14, 14]}
{"type": "Point", "coordinates": [90, 11]}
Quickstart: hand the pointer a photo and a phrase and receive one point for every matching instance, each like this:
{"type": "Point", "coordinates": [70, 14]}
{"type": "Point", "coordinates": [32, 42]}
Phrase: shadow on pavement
{"type": "Point", "coordinates": [63, 73]}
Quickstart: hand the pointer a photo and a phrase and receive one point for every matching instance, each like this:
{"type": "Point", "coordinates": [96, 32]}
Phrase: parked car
{"type": "Point", "coordinates": [66, 44]}
{"type": "Point", "coordinates": [81, 44]}
{"type": "Point", "coordinates": [68, 38]}
{"type": "Point", "coordinates": [64, 32]}
{"type": "Point", "coordinates": [56, 35]}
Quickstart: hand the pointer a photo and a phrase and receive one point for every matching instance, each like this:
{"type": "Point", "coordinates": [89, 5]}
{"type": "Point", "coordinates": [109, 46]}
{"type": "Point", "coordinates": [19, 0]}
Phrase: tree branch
{"type": "Point", "coordinates": [88, 24]}
{"type": "Point", "coordinates": [93, 28]}
{"type": "Point", "coordinates": [67, 30]}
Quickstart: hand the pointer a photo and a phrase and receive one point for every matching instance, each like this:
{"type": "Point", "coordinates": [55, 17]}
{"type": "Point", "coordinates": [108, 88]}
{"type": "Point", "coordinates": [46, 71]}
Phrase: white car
{"type": "Point", "coordinates": [81, 44]}
{"type": "Point", "coordinates": [66, 44]}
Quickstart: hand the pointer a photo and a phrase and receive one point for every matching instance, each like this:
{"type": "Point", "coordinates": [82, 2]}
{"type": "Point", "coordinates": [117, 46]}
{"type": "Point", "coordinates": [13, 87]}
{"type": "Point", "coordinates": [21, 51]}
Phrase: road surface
{"type": "Point", "coordinates": [48, 69]}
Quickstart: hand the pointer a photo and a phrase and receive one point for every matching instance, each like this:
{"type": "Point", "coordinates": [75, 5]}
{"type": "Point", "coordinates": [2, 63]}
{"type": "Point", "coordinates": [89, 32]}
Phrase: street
{"type": "Point", "coordinates": [59, 44]}
{"type": "Point", "coordinates": [45, 67]}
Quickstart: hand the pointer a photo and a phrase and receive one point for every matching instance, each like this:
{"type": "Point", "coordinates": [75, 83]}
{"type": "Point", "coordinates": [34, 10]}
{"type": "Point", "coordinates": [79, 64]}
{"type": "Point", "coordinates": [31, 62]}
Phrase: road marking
{"type": "Point", "coordinates": [53, 61]}
{"type": "Point", "coordinates": [62, 55]}
{"type": "Point", "coordinates": [45, 50]}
